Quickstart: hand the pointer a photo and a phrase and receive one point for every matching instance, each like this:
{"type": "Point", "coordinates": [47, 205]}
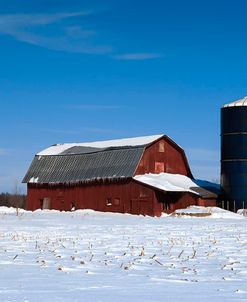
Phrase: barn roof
{"type": "Point", "coordinates": [80, 162]}
{"type": "Point", "coordinates": [131, 142]}
{"type": "Point", "coordinates": [83, 164]}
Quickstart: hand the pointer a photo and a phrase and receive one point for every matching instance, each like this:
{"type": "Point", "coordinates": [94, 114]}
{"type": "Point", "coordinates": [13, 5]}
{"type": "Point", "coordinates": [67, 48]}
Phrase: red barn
{"type": "Point", "coordinates": [145, 175]}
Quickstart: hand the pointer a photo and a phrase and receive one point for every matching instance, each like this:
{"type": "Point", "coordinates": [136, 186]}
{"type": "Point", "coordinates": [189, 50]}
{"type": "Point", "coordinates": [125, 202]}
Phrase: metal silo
{"type": "Point", "coordinates": [234, 154]}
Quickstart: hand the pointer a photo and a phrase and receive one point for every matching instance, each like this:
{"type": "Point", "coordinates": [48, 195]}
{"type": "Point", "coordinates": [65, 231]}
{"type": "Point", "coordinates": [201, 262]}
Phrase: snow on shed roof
{"type": "Point", "coordinates": [135, 141]}
{"type": "Point", "coordinates": [237, 103]}
{"type": "Point", "coordinates": [177, 183]}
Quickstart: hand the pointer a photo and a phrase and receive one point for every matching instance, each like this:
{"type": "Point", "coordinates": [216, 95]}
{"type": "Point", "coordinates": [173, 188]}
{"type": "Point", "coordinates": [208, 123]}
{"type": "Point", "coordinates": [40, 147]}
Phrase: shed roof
{"type": "Point", "coordinates": [179, 183]}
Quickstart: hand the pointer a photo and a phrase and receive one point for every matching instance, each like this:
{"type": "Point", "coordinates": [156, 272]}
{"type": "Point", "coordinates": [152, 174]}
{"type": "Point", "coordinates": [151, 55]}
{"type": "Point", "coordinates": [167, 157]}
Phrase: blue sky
{"type": "Point", "coordinates": [74, 71]}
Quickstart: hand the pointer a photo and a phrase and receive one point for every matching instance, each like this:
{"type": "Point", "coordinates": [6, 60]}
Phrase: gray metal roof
{"type": "Point", "coordinates": [81, 150]}
{"type": "Point", "coordinates": [84, 164]}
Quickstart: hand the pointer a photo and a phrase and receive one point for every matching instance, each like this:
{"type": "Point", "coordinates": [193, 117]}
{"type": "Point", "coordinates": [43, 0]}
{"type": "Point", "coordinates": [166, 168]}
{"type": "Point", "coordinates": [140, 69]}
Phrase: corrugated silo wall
{"type": "Point", "coordinates": [234, 156]}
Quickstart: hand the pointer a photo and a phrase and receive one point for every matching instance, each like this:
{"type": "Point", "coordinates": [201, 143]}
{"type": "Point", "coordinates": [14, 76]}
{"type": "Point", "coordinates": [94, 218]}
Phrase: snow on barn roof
{"type": "Point", "coordinates": [179, 183]}
{"type": "Point", "coordinates": [135, 141]}
{"type": "Point", "coordinates": [237, 103]}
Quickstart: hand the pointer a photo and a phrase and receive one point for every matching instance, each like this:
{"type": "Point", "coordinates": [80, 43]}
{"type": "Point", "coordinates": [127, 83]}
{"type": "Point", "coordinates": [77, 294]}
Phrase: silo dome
{"type": "Point", "coordinates": [240, 102]}
{"type": "Point", "coordinates": [234, 153]}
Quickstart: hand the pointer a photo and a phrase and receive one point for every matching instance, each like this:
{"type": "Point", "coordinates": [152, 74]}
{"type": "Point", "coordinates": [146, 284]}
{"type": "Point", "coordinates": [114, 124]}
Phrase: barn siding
{"type": "Point", "coordinates": [172, 157]}
{"type": "Point", "coordinates": [133, 198]}
{"type": "Point", "coordinates": [176, 201]}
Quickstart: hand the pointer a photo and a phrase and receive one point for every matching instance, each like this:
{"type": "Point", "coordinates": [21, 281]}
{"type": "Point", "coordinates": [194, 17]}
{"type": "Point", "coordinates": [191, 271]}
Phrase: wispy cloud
{"type": "Point", "coordinates": [29, 28]}
{"type": "Point", "coordinates": [197, 154]}
{"type": "Point", "coordinates": [79, 32]}
{"type": "Point", "coordinates": [137, 56]}
{"type": "Point", "coordinates": [59, 131]}
{"type": "Point", "coordinates": [93, 107]}
{"type": "Point", "coordinates": [8, 183]}
{"type": "Point", "coordinates": [63, 32]}
{"type": "Point", "coordinates": [81, 130]}
{"type": "Point", "coordinates": [3, 152]}
{"type": "Point", "coordinates": [210, 173]}
{"type": "Point", "coordinates": [99, 130]}
{"type": "Point", "coordinates": [205, 163]}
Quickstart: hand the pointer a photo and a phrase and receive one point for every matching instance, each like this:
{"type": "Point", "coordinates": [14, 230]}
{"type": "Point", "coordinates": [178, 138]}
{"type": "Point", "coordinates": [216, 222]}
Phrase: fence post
{"type": "Point", "coordinates": [227, 205]}
{"type": "Point", "coordinates": [234, 205]}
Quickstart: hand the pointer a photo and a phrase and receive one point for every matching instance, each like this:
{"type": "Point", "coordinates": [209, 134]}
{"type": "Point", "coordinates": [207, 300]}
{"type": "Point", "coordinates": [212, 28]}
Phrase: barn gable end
{"type": "Point", "coordinates": [164, 155]}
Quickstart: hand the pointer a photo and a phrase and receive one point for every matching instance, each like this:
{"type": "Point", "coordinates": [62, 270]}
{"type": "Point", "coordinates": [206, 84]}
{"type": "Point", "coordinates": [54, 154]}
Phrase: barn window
{"type": "Point", "coordinates": [108, 202]}
{"type": "Point", "coordinates": [143, 193]}
{"type": "Point", "coordinates": [162, 147]}
{"type": "Point", "coordinates": [116, 201]}
{"type": "Point", "coordinates": [159, 167]}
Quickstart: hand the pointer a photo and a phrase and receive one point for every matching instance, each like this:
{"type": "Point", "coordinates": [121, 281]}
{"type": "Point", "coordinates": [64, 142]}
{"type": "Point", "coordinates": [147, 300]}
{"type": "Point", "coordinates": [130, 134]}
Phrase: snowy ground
{"type": "Point", "coordinates": [89, 256]}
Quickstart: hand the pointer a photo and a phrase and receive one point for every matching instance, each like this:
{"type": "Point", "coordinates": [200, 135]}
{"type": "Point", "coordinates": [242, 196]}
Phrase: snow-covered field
{"type": "Point", "coordinates": [89, 256]}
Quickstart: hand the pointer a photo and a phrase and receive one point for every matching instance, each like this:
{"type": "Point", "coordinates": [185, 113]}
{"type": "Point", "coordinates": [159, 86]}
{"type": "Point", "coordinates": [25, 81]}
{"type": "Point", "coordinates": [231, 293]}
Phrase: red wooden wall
{"type": "Point", "coordinates": [131, 197]}
{"type": "Point", "coordinates": [128, 197]}
{"type": "Point", "coordinates": [163, 156]}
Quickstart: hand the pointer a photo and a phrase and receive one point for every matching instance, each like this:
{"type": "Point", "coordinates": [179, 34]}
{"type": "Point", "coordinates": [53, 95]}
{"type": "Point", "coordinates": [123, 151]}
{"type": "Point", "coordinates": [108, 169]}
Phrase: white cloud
{"type": "Point", "coordinates": [59, 131]}
{"type": "Point", "coordinates": [79, 32]}
{"type": "Point", "coordinates": [137, 56]}
{"type": "Point", "coordinates": [93, 107]}
{"type": "Point", "coordinates": [81, 130]}
{"type": "Point", "coordinates": [197, 154]}
{"type": "Point", "coordinates": [204, 163]}
{"type": "Point", "coordinates": [9, 23]}
{"type": "Point", "coordinates": [8, 183]}
{"type": "Point", "coordinates": [207, 172]}
{"type": "Point", "coordinates": [3, 152]}
{"type": "Point", "coordinates": [23, 27]}
{"type": "Point", "coordinates": [99, 130]}
{"type": "Point", "coordinates": [52, 31]}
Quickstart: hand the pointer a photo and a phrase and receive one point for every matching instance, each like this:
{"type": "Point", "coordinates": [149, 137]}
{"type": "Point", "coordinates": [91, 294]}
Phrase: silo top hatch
{"type": "Point", "coordinates": [240, 102]}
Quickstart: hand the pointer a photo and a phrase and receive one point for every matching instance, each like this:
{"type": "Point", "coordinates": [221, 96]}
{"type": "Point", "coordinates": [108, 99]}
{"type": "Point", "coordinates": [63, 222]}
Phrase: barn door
{"type": "Point", "coordinates": [46, 204]}
{"type": "Point", "coordinates": [144, 208]}
{"type": "Point", "coordinates": [135, 207]}
{"type": "Point", "coordinates": [60, 200]}
{"type": "Point", "coordinates": [60, 203]}
{"type": "Point", "coordinates": [141, 207]}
